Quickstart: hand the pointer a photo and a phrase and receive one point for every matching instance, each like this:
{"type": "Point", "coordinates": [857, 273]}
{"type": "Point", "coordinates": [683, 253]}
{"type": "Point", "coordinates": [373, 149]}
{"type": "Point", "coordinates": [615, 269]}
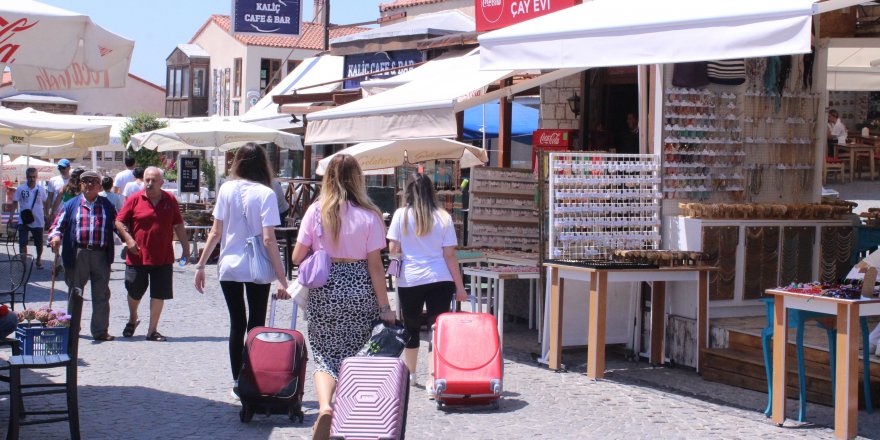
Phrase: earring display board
{"type": "Point", "coordinates": [503, 211]}
{"type": "Point", "coordinates": [446, 175]}
{"type": "Point", "coordinates": [600, 203]}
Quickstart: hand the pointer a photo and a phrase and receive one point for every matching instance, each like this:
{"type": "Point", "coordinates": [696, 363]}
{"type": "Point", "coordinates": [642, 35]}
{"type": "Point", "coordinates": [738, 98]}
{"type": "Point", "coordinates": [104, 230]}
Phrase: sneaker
{"type": "Point", "coordinates": [234, 391]}
{"type": "Point", "coordinates": [872, 348]}
{"type": "Point", "coordinates": [429, 390]}
{"type": "Point", "coordinates": [413, 380]}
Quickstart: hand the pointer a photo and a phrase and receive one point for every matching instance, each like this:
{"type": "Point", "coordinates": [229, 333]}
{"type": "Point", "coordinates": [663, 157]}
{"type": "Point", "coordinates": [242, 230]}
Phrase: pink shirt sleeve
{"type": "Point", "coordinates": [376, 233]}
{"type": "Point", "coordinates": [307, 232]}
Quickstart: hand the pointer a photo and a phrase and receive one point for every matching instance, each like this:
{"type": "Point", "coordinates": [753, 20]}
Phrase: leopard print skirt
{"type": "Point", "coordinates": [340, 315]}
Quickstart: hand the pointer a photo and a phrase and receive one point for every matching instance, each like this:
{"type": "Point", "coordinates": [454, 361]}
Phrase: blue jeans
{"type": "Point", "coordinates": [36, 233]}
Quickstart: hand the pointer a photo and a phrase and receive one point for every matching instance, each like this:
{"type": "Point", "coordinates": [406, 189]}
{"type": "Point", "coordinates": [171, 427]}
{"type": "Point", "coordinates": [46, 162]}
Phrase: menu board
{"type": "Point", "coordinates": [188, 174]}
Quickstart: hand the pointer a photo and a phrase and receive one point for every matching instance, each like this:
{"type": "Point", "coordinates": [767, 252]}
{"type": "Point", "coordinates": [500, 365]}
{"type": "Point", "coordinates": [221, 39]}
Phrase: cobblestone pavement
{"type": "Point", "coordinates": [138, 389]}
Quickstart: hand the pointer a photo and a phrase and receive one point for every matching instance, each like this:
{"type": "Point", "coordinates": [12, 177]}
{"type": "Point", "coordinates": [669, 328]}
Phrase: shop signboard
{"type": "Point", "coordinates": [276, 17]}
{"type": "Point", "coordinates": [496, 14]}
{"type": "Point", "coordinates": [550, 140]}
{"type": "Point", "coordinates": [188, 174]}
{"type": "Point", "coordinates": [358, 65]}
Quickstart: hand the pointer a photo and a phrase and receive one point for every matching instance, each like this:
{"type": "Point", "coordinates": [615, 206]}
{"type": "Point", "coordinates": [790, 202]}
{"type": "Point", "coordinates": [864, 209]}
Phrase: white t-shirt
{"type": "Point", "coordinates": [123, 178]}
{"type": "Point", "coordinates": [56, 184]}
{"type": "Point", "coordinates": [24, 195]}
{"type": "Point", "coordinates": [114, 198]}
{"type": "Point", "coordinates": [131, 188]}
{"type": "Point", "coordinates": [423, 261]}
{"type": "Point", "coordinates": [838, 131]}
{"type": "Point", "coordinates": [262, 211]}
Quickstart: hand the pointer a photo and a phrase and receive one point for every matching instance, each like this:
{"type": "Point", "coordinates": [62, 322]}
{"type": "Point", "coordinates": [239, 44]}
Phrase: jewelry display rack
{"type": "Point", "coordinates": [602, 202]}
{"type": "Point", "coordinates": [503, 211]}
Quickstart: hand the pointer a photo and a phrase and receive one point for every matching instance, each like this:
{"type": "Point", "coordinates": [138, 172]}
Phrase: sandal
{"type": "Point", "coordinates": [106, 337]}
{"type": "Point", "coordinates": [156, 336]}
{"type": "Point", "coordinates": [321, 429]}
{"type": "Point", "coordinates": [129, 329]}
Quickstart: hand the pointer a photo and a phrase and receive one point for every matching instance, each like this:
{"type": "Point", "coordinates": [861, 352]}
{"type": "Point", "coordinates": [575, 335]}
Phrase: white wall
{"type": "Point", "coordinates": [465, 6]}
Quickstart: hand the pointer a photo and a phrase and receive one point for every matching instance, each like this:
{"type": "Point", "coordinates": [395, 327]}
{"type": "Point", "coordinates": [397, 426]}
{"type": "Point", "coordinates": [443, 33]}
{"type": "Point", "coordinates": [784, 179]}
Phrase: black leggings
{"type": "Point", "coordinates": [435, 297]}
{"type": "Point", "coordinates": [239, 322]}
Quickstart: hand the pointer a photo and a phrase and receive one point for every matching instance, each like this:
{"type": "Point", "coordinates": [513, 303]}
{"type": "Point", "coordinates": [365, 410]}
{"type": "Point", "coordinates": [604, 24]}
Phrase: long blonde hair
{"type": "Point", "coordinates": [422, 201]}
{"type": "Point", "coordinates": [343, 182]}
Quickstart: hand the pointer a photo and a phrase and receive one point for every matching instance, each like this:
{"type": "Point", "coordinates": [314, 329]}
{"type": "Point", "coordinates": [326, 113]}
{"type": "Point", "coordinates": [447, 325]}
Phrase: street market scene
{"type": "Point", "coordinates": [466, 219]}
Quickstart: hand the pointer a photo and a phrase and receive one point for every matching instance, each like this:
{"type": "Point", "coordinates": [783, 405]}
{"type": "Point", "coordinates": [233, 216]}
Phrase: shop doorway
{"type": "Point", "coordinates": [623, 111]}
{"type": "Point", "coordinates": [613, 94]}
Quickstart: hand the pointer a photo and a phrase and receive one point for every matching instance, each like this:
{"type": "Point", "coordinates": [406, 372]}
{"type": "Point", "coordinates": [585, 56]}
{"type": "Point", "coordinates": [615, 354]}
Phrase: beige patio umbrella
{"type": "Point", "coordinates": [382, 157]}
{"type": "Point", "coordinates": [211, 133]}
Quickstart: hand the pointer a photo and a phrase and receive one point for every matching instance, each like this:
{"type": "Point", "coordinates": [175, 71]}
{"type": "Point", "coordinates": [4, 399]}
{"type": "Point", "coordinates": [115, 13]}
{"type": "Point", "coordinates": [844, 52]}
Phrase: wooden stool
{"type": "Point", "coordinates": [834, 165]}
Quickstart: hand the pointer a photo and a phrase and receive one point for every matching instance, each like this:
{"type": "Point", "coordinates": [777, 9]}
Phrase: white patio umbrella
{"type": "Point", "coordinates": [376, 156]}
{"type": "Point", "coordinates": [212, 133]}
{"type": "Point", "coordinates": [49, 48]}
{"type": "Point", "coordinates": [50, 130]}
{"type": "Point", "coordinates": [10, 170]}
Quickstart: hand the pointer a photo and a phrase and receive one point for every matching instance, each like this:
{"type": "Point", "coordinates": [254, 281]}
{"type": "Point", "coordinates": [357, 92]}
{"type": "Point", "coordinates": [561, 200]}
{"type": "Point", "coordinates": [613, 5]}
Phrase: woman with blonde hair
{"type": "Point", "coordinates": [348, 226]}
{"type": "Point", "coordinates": [245, 206]}
{"type": "Point", "coordinates": [423, 234]}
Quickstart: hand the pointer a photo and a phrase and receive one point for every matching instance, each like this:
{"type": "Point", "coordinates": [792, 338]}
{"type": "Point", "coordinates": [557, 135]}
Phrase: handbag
{"type": "Point", "coordinates": [255, 253]}
{"type": "Point", "coordinates": [690, 74]}
{"type": "Point", "coordinates": [314, 271]}
{"type": "Point", "coordinates": [395, 265]}
{"type": "Point", "coordinates": [386, 341]}
{"type": "Point", "coordinates": [27, 215]}
{"type": "Point", "coordinates": [727, 72]}
{"type": "Point", "coordinates": [300, 294]}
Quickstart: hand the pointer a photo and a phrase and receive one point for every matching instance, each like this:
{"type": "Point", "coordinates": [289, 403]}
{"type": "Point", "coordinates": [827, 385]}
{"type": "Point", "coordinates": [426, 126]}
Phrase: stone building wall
{"type": "Point", "coordinates": [555, 112]}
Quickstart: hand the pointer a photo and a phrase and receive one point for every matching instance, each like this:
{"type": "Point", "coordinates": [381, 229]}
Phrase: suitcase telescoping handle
{"type": "Point", "coordinates": [471, 299]}
{"type": "Point", "coordinates": [272, 313]}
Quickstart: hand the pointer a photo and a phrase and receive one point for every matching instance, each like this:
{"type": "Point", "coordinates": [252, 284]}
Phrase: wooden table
{"type": "Point", "coordinates": [500, 275]}
{"type": "Point", "coordinates": [854, 150]}
{"type": "Point", "coordinates": [599, 279]}
{"type": "Point", "coordinates": [846, 392]}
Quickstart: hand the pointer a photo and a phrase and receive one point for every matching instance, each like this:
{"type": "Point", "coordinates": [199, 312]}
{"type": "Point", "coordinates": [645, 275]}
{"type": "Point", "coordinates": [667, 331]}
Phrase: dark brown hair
{"type": "Point", "coordinates": [252, 163]}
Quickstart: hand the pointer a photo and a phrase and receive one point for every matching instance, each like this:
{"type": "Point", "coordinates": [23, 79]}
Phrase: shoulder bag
{"type": "Point", "coordinates": [255, 253]}
{"type": "Point", "coordinates": [27, 215]}
{"type": "Point", "coordinates": [314, 271]}
{"type": "Point", "coordinates": [395, 265]}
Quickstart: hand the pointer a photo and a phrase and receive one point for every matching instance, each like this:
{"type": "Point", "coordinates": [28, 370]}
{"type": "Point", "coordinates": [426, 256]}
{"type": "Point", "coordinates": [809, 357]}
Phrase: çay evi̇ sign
{"type": "Point", "coordinates": [277, 17]}
{"type": "Point", "coordinates": [496, 14]}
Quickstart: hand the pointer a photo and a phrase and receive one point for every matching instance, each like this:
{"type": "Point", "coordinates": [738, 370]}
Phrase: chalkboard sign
{"type": "Point", "coordinates": [188, 174]}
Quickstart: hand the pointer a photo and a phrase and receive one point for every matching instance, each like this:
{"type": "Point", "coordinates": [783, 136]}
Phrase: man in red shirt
{"type": "Point", "coordinates": [146, 223]}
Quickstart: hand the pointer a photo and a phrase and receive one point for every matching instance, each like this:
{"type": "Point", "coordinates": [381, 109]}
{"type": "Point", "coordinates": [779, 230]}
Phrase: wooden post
{"type": "Point", "coordinates": [658, 327]}
{"type": "Point", "coordinates": [846, 393]}
{"type": "Point", "coordinates": [307, 153]}
{"type": "Point", "coordinates": [556, 295]}
{"type": "Point", "coordinates": [505, 110]}
{"type": "Point", "coordinates": [596, 339]}
{"type": "Point", "coordinates": [780, 340]}
{"type": "Point", "coordinates": [702, 315]}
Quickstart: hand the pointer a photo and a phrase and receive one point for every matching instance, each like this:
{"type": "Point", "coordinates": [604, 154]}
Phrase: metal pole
{"type": "Point", "coordinates": [326, 24]}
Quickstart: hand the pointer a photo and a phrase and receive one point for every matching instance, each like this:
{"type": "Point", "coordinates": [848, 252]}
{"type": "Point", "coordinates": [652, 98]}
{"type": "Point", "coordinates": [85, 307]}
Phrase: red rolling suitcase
{"type": "Point", "coordinates": [372, 395]}
{"type": "Point", "coordinates": [273, 372]}
{"type": "Point", "coordinates": [468, 367]}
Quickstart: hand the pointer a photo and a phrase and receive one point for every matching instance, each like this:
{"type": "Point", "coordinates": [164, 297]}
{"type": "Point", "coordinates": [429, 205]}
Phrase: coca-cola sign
{"type": "Point", "coordinates": [496, 14]}
{"type": "Point", "coordinates": [7, 32]}
{"type": "Point", "coordinates": [552, 138]}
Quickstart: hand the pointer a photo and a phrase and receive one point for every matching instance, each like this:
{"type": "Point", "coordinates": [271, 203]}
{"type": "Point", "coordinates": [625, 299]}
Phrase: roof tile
{"type": "Point", "coordinates": [311, 34]}
{"type": "Point", "coordinates": [399, 4]}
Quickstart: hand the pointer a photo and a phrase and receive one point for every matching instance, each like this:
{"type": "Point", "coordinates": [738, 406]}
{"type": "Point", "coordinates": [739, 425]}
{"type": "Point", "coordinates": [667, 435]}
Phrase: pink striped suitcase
{"type": "Point", "coordinates": [372, 394]}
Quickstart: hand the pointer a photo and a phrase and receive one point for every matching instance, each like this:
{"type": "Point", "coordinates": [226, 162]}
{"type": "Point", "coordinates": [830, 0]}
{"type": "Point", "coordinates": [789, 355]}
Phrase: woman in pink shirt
{"type": "Point", "coordinates": [341, 313]}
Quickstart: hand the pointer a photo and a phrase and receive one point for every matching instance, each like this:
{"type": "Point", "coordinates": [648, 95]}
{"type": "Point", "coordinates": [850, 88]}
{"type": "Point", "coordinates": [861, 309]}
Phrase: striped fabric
{"type": "Point", "coordinates": [727, 72]}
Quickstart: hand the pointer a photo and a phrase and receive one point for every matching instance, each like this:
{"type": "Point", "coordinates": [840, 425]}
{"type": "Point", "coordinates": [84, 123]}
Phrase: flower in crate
{"type": "Point", "coordinates": [46, 317]}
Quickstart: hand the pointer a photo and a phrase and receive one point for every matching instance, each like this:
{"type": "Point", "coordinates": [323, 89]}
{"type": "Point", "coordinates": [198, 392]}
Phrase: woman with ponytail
{"type": "Point", "coordinates": [348, 226]}
{"type": "Point", "coordinates": [423, 234]}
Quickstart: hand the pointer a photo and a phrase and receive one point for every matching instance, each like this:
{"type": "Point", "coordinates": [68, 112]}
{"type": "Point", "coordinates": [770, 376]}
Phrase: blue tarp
{"type": "Point", "coordinates": [523, 122]}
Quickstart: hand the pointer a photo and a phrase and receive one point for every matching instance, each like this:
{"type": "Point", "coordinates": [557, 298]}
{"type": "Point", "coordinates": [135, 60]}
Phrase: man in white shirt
{"type": "Point", "coordinates": [56, 187]}
{"type": "Point", "coordinates": [135, 185]}
{"type": "Point", "coordinates": [124, 176]}
{"type": "Point", "coordinates": [836, 131]}
{"type": "Point", "coordinates": [30, 196]}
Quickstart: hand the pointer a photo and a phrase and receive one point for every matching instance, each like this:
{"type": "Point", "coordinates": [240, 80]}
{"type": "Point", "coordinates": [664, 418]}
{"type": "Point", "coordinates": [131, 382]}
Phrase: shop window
{"type": "Point", "coordinates": [269, 74]}
{"type": "Point", "coordinates": [235, 108]}
{"type": "Point", "coordinates": [199, 83]}
{"type": "Point", "coordinates": [291, 65]}
{"type": "Point", "coordinates": [118, 156]}
{"type": "Point", "coordinates": [236, 89]}
{"type": "Point", "coordinates": [169, 86]}
{"type": "Point", "coordinates": [177, 82]}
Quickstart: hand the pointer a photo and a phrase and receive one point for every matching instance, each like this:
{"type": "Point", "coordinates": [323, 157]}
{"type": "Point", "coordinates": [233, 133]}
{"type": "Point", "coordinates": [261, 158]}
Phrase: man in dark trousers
{"type": "Point", "coordinates": [147, 223]}
{"type": "Point", "coordinates": [84, 232]}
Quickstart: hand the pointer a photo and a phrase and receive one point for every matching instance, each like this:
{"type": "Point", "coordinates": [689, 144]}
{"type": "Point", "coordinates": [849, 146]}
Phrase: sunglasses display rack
{"type": "Point", "coordinates": [503, 212]}
{"type": "Point", "coordinates": [599, 203]}
{"type": "Point", "coordinates": [702, 145]}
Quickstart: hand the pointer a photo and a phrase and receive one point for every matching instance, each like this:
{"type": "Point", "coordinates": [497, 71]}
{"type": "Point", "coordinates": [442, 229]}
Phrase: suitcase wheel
{"type": "Point", "coordinates": [295, 414]}
{"type": "Point", "coordinates": [496, 405]}
{"type": "Point", "coordinates": [246, 414]}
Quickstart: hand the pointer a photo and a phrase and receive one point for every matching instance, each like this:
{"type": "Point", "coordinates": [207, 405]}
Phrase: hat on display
{"type": "Point", "coordinates": [63, 163]}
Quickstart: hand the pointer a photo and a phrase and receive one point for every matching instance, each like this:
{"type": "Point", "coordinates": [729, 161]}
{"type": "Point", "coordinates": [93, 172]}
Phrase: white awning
{"type": "Point", "coordinates": [311, 71]}
{"type": "Point", "coordinates": [850, 64]}
{"type": "Point", "coordinates": [602, 33]}
{"type": "Point", "coordinates": [438, 23]}
{"type": "Point", "coordinates": [424, 107]}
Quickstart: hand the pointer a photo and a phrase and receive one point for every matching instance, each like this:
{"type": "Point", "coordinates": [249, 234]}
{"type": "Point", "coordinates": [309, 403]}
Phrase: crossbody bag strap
{"type": "Point", "coordinates": [243, 209]}
{"type": "Point", "coordinates": [319, 230]}
{"type": "Point", "coordinates": [36, 196]}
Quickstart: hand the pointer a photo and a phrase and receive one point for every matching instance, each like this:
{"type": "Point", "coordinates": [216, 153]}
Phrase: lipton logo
{"type": "Point", "coordinates": [492, 10]}
{"type": "Point", "coordinates": [7, 31]}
